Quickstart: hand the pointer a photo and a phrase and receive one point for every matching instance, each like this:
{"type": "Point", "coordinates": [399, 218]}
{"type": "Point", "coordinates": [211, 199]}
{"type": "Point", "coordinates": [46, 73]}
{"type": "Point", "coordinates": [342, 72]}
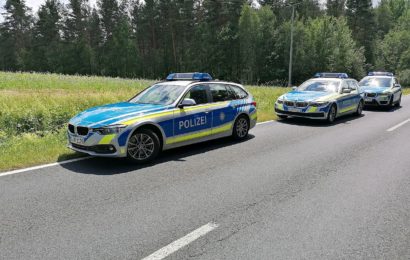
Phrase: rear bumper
{"type": "Point", "coordinates": [315, 115]}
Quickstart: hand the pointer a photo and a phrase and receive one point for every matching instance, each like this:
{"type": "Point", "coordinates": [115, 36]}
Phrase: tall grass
{"type": "Point", "coordinates": [35, 108]}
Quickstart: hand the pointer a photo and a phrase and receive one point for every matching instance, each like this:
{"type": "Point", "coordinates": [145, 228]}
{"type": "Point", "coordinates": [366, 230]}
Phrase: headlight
{"type": "Point", "coordinates": [112, 129]}
{"type": "Point", "coordinates": [319, 104]}
{"type": "Point", "coordinates": [279, 101]}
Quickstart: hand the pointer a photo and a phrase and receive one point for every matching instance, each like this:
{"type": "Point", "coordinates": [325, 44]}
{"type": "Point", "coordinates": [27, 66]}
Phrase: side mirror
{"type": "Point", "coordinates": [294, 88]}
{"type": "Point", "coordinates": [187, 102]}
{"type": "Point", "coordinates": [346, 91]}
{"type": "Point", "coordinates": [397, 85]}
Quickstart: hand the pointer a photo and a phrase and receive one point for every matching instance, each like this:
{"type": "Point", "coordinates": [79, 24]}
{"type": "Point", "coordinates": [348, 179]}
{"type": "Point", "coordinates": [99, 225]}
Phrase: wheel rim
{"type": "Point", "coordinates": [332, 114]}
{"type": "Point", "coordinates": [242, 127]}
{"type": "Point", "coordinates": [141, 146]}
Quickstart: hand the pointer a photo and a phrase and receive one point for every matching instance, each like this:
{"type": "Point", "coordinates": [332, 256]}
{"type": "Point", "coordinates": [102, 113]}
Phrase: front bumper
{"type": "Point", "coordinates": [316, 113]}
{"type": "Point", "coordinates": [96, 144]}
{"type": "Point", "coordinates": [377, 100]}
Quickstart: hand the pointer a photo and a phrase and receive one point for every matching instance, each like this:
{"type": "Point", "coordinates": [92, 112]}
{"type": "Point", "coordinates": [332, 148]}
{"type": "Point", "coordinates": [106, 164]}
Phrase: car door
{"type": "Point", "coordinates": [347, 101]}
{"type": "Point", "coordinates": [223, 112]}
{"type": "Point", "coordinates": [396, 90]}
{"type": "Point", "coordinates": [193, 122]}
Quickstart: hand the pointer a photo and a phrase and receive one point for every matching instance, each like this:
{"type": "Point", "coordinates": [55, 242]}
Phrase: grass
{"type": "Point", "coordinates": [35, 108]}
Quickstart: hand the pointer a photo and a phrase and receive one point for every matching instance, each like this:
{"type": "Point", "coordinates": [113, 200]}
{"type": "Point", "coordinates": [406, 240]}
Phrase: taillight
{"type": "Point", "coordinates": [253, 103]}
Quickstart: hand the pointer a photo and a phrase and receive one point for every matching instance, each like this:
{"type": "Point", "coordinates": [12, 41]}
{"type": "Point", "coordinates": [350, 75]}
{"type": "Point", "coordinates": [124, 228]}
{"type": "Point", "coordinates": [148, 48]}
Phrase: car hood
{"type": "Point", "coordinates": [113, 113]}
{"type": "Point", "coordinates": [308, 96]}
{"type": "Point", "coordinates": [370, 89]}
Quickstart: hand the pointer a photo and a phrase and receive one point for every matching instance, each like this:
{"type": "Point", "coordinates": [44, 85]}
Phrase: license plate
{"type": "Point", "coordinates": [292, 109]}
{"type": "Point", "coordinates": [368, 99]}
{"type": "Point", "coordinates": [76, 140]}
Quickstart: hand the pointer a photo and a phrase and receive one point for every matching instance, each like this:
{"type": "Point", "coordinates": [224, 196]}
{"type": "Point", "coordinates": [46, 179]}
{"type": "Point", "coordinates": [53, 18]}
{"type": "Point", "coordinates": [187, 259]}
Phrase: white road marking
{"type": "Point", "coordinates": [180, 243]}
{"type": "Point", "coordinates": [398, 125]}
{"type": "Point", "coordinates": [69, 161]}
{"type": "Point", "coordinates": [43, 166]}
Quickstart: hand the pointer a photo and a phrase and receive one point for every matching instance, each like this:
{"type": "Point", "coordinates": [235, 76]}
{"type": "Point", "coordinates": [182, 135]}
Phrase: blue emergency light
{"type": "Point", "coordinates": [189, 76]}
{"type": "Point", "coordinates": [331, 75]}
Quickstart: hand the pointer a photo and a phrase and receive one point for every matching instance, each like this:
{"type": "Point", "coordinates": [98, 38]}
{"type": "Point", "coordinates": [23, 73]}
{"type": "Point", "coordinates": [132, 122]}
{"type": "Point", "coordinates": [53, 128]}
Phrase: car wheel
{"type": "Point", "coordinates": [240, 128]}
{"type": "Point", "coordinates": [398, 103]}
{"type": "Point", "coordinates": [282, 116]}
{"type": "Point", "coordinates": [143, 146]}
{"type": "Point", "coordinates": [391, 103]}
{"type": "Point", "coordinates": [331, 116]}
{"type": "Point", "coordinates": [359, 108]}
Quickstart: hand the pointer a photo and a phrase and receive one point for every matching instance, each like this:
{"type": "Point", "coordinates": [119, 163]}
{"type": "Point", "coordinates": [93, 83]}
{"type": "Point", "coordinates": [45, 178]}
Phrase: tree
{"type": "Point", "coordinates": [46, 49]}
{"type": "Point", "coordinates": [361, 21]}
{"type": "Point", "coordinates": [15, 35]}
{"type": "Point", "coordinates": [77, 50]}
{"type": "Point", "coordinates": [248, 35]}
{"type": "Point", "coordinates": [335, 8]}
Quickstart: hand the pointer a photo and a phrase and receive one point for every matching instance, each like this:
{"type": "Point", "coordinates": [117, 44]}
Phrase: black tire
{"type": "Point", "coordinates": [282, 116]}
{"type": "Point", "coordinates": [398, 103]}
{"type": "Point", "coordinates": [143, 146]}
{"type": "Point", "coordinates": [391, 103]}
{"type": "Point", "coordinates": [359, 108]}
{"type": "Point", "coordinates": [240, 128]}
{"type": "Point", "coordinates": [331, 116]}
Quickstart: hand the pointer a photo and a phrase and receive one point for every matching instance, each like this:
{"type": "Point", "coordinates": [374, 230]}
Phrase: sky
{"type": "Point", "coordinates": [34, 4]}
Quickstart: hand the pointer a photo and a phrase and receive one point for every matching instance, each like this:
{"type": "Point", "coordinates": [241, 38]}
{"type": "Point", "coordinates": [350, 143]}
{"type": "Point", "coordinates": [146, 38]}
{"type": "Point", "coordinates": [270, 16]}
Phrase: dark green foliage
{"type": "Point", "coordinates": [234, 40]}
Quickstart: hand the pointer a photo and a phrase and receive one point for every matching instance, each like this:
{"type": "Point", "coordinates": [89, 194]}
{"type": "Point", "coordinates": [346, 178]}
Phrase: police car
{"type": "Point", "coordinates": [327, 96]}
{"type": "Point", "coordinates": [186, 108]}
{"type": "Point", "coordinates": [381, 89]}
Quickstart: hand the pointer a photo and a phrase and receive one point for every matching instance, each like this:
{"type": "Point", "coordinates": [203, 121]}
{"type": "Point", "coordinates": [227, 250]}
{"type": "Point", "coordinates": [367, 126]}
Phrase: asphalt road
{"type": "Point", "coordinates": [296, 189]}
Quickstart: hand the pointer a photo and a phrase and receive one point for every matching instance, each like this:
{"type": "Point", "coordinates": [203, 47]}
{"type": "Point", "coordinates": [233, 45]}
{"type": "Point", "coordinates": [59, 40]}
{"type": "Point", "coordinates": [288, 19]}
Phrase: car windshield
{"type": "Point", "coordinates": [160, 94]}
{"type": "Point", "coordinates": [320, 85]}
{"type": "Point", "coordinates": [375, 82]}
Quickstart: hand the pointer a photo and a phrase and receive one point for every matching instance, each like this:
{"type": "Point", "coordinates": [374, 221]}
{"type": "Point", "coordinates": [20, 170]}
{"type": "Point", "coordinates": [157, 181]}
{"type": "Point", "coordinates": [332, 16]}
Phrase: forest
{"type": "Point", "coordinates": [238, 40]}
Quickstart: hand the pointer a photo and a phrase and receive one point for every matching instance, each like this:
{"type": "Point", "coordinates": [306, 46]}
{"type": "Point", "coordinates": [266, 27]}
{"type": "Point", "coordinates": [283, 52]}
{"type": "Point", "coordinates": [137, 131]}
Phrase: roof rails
{"type": "Point", "coordinates": [380, 73]}
{"type": "Point", "coordinates": [331, 75]}
{"type": "Point", "coordinates": [189, 76]}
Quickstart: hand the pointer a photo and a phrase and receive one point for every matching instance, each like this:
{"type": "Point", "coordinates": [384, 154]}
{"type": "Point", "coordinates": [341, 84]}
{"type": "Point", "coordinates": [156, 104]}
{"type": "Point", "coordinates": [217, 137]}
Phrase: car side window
{"type": "Point", "coordinates": [344, 86]}
{"type": "Point", "coordinates": [239, 93]}
{"type": "Point", "coordinates": [221, 92]}
{"type": "Point", "coordinates": [199, 94]}
{"type": "Point", "coordinates": [352, 85]}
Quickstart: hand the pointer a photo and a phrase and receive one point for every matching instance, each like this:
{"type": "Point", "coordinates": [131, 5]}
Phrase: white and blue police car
{"type": "Point", "coordinates": [326, 96]}
{"type": "Point", "coordinates": [381, 89]}
{"type": "Point", "coordinates": [186, 108]}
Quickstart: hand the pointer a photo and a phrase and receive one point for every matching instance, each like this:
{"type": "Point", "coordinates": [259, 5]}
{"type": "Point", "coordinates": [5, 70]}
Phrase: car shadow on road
{"type": "Point", "coordinates": [319, 123]}
{"type": "Point", "coordinates": [112, 166]}
{"type": "Point", "coordinates": [381, 109]}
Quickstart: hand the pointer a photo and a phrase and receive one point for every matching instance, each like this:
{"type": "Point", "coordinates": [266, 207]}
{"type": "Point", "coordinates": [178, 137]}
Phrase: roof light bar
{"type": "Point", "coordinates": [331, 75]}
{"type": "Point", "coordinates": [380, 73]}
{"type": "Point", "coordinates": [189, 76]}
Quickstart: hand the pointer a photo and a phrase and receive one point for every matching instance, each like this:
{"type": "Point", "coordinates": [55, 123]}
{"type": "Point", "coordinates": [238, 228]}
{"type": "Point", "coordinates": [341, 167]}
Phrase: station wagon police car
{"type": "Point", "coordinates": [327, 96]}
{"type": "Point", "coordinates": [381, 89]}
{"type": "Point", "coordinates": [186, 108]}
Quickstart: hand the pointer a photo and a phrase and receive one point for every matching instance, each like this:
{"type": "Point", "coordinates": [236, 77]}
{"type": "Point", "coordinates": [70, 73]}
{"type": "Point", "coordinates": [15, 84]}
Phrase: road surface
{"type": "Point", "coordinates": [296, 189]}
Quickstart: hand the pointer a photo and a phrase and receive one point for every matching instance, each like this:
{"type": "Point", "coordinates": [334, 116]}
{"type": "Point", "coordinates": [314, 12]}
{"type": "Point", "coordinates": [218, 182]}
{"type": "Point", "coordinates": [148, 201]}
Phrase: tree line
{"type": "Point", "coordinates": [239, 40]}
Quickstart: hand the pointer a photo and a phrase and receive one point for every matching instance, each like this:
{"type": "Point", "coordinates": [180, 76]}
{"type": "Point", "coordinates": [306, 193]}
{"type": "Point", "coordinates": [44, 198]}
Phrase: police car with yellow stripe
{"type": "Point", "coordinates": [381, 89]}
{"type": "Point", "coordinates": [186, 108]}
{"type": "Point", "coordinates": [327, 96]}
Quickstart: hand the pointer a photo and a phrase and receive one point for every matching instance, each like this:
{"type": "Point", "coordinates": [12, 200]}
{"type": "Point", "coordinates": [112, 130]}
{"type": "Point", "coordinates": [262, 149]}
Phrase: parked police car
{"type": "Point", "coordinates": [381, 89]}
{"type": "Point", "coordinates": [187, 108]}
{"type": "Point", "coordinates": [327, 96]}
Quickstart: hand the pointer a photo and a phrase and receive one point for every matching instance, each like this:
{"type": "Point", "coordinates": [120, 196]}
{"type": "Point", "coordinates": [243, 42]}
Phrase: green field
{"type": "Point", "coordinates": [35, 109]}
